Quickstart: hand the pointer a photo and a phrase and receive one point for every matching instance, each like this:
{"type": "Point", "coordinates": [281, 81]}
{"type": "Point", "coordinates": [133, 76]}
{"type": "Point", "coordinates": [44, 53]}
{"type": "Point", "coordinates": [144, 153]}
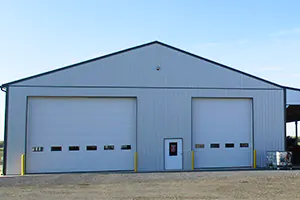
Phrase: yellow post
{"type": "Point", "coordinates": [135, 161]}
{"type": "Point", "coordinates": [22, 164]}
{"type": "Point", "coordinates": [254, 158]}
{"type": "Point", "coordinates": [193, 160]}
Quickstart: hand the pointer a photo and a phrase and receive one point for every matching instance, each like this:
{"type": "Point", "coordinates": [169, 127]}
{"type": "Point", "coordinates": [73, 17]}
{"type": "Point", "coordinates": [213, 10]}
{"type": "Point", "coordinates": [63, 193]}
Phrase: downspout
{"type": "Point", "coordinates": [5, 89]}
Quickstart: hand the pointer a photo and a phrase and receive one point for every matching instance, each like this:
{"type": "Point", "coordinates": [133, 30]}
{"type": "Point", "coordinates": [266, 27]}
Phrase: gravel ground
{"type": "Point", "coordinates": [186, 185]}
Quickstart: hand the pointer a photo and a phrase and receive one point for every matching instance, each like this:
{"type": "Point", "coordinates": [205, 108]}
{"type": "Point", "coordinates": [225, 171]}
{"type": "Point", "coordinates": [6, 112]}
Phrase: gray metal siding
{"type": "Point", "coordinates": [292, 97]}
{"type": "Point", "coordinates": [161, 113]}
{"type": "Point", "coordinates": [137, 68]}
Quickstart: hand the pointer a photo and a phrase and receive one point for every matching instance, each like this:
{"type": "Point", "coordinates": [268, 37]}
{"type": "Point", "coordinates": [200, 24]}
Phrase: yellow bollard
{"type": "Point", "coordinates": [193, 160]}
{"type": "Point", "coordinates": [254, 158]}
{"type": "Point", "coordinates": [22, 164]}
{"type": "Point", "coordinates": [135, 161]}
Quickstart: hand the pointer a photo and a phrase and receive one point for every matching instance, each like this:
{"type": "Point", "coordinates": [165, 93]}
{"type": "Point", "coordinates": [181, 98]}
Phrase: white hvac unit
{"type": "Point", "coordinates": [279, 159]}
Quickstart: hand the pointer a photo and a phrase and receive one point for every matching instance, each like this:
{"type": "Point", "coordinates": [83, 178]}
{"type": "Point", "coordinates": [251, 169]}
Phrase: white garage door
{"type": "Point", "coordinates": [222, 132]}
{"type": "Point", "coordinates": [80, 134]}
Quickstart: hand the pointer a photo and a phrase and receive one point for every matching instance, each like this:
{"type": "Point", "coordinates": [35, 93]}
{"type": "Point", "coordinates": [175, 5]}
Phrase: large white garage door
{"type": "Point", "coordinates": [80, 134]}
{"type": "Point", "coordinates": [222, 132]}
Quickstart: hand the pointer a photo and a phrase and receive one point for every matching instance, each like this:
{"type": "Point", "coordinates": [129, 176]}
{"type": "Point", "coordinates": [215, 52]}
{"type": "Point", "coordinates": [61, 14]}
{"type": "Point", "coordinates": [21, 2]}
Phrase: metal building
{"type": "Point", "coordinates": [152, 104]}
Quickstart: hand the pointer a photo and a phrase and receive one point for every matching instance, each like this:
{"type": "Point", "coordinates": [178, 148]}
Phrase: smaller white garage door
{"type": "Point", "coordinates": [80, 134]}
{"type": "Point", "coordinates": [222, 132]}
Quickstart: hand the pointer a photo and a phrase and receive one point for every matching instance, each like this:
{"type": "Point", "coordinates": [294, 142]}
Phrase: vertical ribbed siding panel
{"type": "Point", "coordinates": [268, 123]}
{"type": "Point", "coordinates": [265, 127]}
{"type": "Point", "coordinates": [151, 128]}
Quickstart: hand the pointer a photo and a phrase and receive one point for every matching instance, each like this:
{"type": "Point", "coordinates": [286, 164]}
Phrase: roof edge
{"type": "Point", "coordinates": [291, 88]}
{"type": "Point", "coordinates": [79, 63]}
{"type": "Point", "coordinates": [136, 47]}
{"type": "Point", "coordinates": [221, 65]}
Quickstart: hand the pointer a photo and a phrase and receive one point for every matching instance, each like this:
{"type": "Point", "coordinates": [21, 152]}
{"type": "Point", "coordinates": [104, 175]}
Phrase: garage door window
{"type": "Point", "coordinates": [56, 148]}
{"type": "Point", "coordinates": [229, 145]}
{"type": "Point", "coordinates": [214, 145]}
{"type": "Point", "coordinates": [199, 146]}
{"type": "Point", "coordinates": [244, 145]}
{"type": "Point", "coordinates": [37, 149]}
{"type": "Point", "coordinates": [91, 148]}
{"type": "Point", "coordinates": [126, 147]}
{"type": "Point", "coordinates": [74, 148]}
{"type": "Point", "coordinates": [109, 147]}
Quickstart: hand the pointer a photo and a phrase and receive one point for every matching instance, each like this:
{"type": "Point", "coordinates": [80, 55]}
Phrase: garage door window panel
{"type": "Point", "coordinates": [229, 145]}
{"type": "Point", "coordinates": [126, 147]}
{"type": "Point", "coordinates": [56, 148]}
{"type": "Point", "coordinates": [199, 146]}
{"type": "Point", "coordinates": [214, 145]}
{"type": "Point", "coordinates": [244, 145]}
{"type": "Point", "coordinates": [91, 148]}
{"type": "Point", "coordinates": [109, 147]}
{"type": "Point", "coordinates": [37, 149]}
{"type": "Point", "coordinates": [74, 148]}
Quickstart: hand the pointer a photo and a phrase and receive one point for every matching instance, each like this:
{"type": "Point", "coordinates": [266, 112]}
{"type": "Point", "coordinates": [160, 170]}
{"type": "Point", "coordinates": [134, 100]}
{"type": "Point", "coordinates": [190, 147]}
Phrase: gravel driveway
{"type": "Point", "coordinates": [185, 185]}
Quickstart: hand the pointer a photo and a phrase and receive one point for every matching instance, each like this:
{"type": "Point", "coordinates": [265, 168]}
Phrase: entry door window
{"type": "Point", "coordinates": [173, 149]}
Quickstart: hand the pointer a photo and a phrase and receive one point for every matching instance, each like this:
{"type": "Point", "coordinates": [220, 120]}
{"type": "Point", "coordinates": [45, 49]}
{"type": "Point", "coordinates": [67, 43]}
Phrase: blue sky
{"type": "Point", "coordinates": [258, 37]}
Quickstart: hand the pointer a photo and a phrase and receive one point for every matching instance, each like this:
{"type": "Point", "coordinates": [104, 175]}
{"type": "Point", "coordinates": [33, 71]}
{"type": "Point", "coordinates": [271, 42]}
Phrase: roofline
{"type": "Point", "coordinates": [221, 65]}
{"type": "Point", "coordinates": [140, 46]}
{"type": "Point", "coordinates": [291, 88]}
{"type": "Point", "coordinates": [80, 63]}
